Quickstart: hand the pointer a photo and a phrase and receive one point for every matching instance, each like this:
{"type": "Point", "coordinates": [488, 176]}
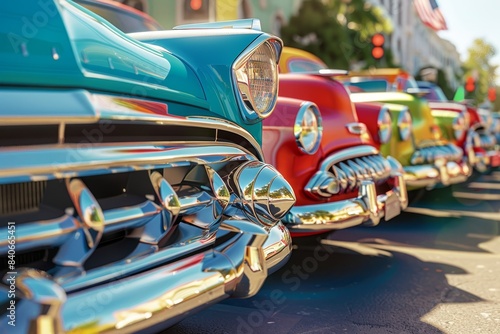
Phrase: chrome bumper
{"type": "Point", "coordinates": [481, 149]}
{"type": "Point", "coordinates": [483, 161]}
{"type": "Point", "coordinates": [440, 173]}
{"type": "Point", "coordinates": [198, 235]}
{"type": "Point", "coordinates": [367, 208]}
{"type": "Point", "coordinates": [159, 296]}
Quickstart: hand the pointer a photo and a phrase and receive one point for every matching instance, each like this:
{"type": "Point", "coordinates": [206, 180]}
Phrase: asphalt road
{"type": "Point", "coordinates": [433, 269]}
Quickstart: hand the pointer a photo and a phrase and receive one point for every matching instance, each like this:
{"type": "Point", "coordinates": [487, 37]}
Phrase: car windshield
{"type": "Point", "coordinates": [304, 66]}
{"type": "Point", "coordinates": [123, 20]}
{"type": "Point", "coordinates": [376, 85]}
{"type": "Point", "coordinates": [436, 94]}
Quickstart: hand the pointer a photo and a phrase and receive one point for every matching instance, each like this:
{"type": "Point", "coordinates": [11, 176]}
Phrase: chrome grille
{"type": "Point", "coordinates": [21, 197]}
{"type": "Point", "coordinates": [351, 172]}
{"type": "Point", "coordinates": [343, 171]}
{"type": "Point", "coordinates": [429, 154]}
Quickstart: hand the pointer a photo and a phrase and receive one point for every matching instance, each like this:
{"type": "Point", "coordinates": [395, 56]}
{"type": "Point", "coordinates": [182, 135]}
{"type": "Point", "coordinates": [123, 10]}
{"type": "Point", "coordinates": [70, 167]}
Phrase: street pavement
{"type": "Point", "coordinates": [433, 269]}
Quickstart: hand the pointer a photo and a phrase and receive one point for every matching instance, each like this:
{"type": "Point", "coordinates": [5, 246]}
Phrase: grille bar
{"type": "Point", "coordinates": [428, 155]}
{"type": "Point", "coordinates": [370, 167]}
{"type": "Point", "coordinates": [21, 197]}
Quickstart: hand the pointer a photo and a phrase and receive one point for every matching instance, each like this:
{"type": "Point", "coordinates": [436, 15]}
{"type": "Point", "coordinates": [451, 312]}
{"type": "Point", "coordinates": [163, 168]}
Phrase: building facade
{"type": "Point", "coordinates": [416, 46]}
{"type": "Point", "coordinates": [413, 44]}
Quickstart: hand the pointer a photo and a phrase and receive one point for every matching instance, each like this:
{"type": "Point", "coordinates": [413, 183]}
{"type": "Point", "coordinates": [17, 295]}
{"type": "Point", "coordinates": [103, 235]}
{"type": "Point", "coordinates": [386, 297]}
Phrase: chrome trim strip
{"type": "Point", "coordinates": [52, 232]}
{"type": "Point", "coordinates": [251, 23]}
{"type": "Point", "coordinates": [356, 128]}
{"type": "Point", "coordinates": [79, 106]}
{"type": "Point", "coordinates": [51, 162]}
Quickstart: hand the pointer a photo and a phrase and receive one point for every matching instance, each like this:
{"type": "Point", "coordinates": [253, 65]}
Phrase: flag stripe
{"type": "Point", "coordinates": [430, 14]}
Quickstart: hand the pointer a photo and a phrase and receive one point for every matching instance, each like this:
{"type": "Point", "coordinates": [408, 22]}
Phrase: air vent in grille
{"type": "Point", "coordinates": [21, 197]}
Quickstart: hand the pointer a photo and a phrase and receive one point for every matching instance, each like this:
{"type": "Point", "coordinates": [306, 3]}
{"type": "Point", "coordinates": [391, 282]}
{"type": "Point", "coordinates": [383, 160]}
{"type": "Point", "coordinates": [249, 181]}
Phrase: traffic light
{"type": "Point", "coordinates": [378, 46]}
{"type": "Point", "coordinates": [470, 84]}
{"type": "Point", "coordinates": [492, 94]}
{"type": "Point", "coordinates": [196, 10]}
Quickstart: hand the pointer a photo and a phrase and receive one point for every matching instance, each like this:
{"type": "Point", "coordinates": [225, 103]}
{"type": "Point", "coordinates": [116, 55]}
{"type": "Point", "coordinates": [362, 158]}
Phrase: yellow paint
{"type": "Point", "coordinates": [226, 10]}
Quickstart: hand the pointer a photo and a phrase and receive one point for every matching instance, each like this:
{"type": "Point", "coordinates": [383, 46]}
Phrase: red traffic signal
{"type": "Point", "coordinates": [378, 41]}
{"type": "Point", "coordinates": [195, 4]}
{"type": "Point", "coordinates": [492, 94]}
{"type": "Point", "coordinates": [470, 84]}
{"type": "Point", "coordinates": [196, 10]}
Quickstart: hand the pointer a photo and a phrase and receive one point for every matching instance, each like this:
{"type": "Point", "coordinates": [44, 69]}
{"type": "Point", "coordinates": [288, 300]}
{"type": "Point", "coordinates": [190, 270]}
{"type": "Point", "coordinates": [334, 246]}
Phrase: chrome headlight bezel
{"type": "Point", "coordinates": [384, 125]}
{"type": "Point", "coordinates": [255, 77]}
{"type": "Point", "coordinates": [310, 114]}
{"type": "Point", "coordinates": [405, 124]}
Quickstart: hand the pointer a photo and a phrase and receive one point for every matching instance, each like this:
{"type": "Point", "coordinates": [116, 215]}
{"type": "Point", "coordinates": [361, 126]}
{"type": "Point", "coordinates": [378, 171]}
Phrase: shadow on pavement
{"type": "Point", "coordinates": [343, 287]}
{"type": "Point", "coordinates": [418, 230]}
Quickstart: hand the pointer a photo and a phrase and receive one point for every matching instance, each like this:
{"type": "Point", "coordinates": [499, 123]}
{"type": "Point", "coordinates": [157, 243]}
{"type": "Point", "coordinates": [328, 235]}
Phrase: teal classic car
{"type": "Point", "coordinates": [133, 190]}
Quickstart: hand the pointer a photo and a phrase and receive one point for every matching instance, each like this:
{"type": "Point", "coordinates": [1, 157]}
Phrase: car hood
{"type": "Point", "coordinates": [76, 48]}
{"type": "Point", "coordinates": [425, 128]}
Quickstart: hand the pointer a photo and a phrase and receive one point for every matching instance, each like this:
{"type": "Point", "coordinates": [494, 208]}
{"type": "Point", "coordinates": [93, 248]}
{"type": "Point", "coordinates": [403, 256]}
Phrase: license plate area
{"type": "Point", "coordinates": [392, 206]}
{"type": "Point", "coordinates": [495, 160]}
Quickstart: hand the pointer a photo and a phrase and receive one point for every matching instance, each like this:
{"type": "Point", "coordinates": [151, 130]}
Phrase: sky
{"type": "Point", "coordinates": [471, 19]}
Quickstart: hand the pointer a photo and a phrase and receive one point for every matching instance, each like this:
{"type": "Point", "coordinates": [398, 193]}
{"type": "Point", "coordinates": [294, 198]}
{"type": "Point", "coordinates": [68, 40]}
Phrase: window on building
{"type": "Point", "coordinates": [399, 47]}
{"type": "Point", "coordinates": [399, 12]}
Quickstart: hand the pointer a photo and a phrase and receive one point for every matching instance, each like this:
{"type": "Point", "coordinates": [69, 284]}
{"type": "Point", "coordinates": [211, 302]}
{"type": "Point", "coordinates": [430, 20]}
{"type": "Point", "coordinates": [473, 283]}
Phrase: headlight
{"type": "Point", "coordinates": [256, 77]}
{"type": "Point", "coordinates": [405, 124]}
{"type": "Point", "coordinates": [384, 123]}
{"type": "Point", "coordinates": [486, 117]}
{"type": "Point", "coordinates": [308, 128]}
{"type": "Point", "coordinates": [460, 126]}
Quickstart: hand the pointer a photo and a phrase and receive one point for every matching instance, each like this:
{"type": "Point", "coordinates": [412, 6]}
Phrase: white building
{"type": "Point", "coordinates": [414, 45]}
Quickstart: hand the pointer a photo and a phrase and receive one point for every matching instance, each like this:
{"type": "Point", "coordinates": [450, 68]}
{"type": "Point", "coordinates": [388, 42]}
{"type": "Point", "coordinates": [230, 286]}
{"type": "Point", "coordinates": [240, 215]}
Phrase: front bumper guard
{"type": "Point", "coordinates": [159, 296]}
{"type": "Point", "coordinates": [442, 173]}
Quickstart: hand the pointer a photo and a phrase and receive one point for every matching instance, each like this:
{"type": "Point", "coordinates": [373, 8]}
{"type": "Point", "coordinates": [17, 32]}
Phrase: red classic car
{"type": "Point", "coordinates": [478, 141]}
{"type": "Point", "coordinates": [339, 177]}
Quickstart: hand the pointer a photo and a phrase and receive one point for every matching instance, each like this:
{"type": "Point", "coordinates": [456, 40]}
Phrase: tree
{"type": "Point", "coordinates": [478, 65]}
{"type": "Point", "coordinates": [337, 31]}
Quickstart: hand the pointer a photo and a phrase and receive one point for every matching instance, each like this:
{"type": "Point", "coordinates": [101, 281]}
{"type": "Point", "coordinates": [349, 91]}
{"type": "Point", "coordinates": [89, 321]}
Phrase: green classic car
{"type": "Point", "coordinates": [429, 159]}
{"type": "Point", "coordinates": [133, 188]}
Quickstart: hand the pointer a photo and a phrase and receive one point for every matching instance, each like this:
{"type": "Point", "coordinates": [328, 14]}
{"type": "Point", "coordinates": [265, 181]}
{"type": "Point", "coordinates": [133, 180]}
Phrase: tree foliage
{"type": "Point", "coordinates": [337, 31]}
{"type": "Point", "coordinates": [440, 80]}
{"type": "Point", "coordinates": [478, 65]}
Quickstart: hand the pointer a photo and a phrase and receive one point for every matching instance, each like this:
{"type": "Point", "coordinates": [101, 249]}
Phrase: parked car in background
{"type": "Point", "coordinates": [477, 138]}
{"type": "Point", "coordinates": [125, 18]}
{"type": "Point", "coordinates": [339, 177]}
{"type": "Point", "coordinates": [133, 187]}
{"type": "Point", "coordinates": [400, 123]}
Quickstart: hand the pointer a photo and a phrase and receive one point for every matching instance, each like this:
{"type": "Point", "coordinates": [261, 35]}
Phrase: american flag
{"type": "Point", "coordinates": [430, 14]}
